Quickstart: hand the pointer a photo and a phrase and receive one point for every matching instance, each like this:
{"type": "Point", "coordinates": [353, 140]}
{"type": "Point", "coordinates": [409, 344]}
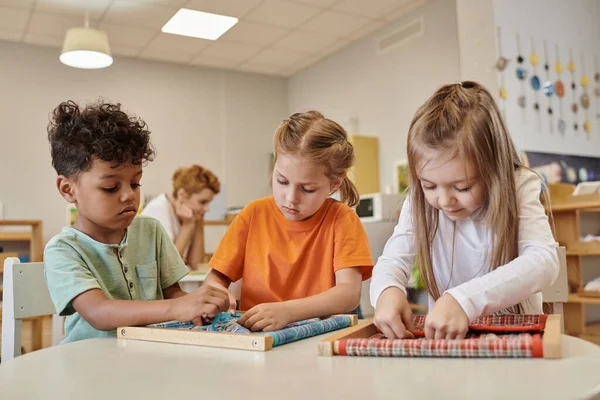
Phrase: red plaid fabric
{"type": "Point", "coordinates": [517, 323]}
{"type": "Point", "coordinates": [514, 335]}
{"type": "Point", "coordinates": [524, 345]}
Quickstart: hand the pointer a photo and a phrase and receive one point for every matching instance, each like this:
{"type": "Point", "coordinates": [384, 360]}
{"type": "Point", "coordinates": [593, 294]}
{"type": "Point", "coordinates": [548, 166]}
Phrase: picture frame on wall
{"type": "Point", "coordinates": [401, 176]}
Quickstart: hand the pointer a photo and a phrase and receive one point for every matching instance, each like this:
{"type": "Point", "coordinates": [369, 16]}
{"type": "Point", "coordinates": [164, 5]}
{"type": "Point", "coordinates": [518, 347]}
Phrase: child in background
{"type": "Point", "coordinates": [301, 254]}
{"type": "Point", "coordinates": [473, 222]}
{"type": "Point", "coordinates": [112, 268]}
{"type": "Point", "coordinates": [182, 214]}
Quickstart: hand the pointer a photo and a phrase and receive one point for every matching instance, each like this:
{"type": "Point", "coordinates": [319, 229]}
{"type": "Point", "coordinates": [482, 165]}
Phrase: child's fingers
{"type": "Point", "coordinates": [259, 325]}
{"type": "Point", "coordinates": [221, 303]}
{"type": "Point", "coordinates": [440, 334]}
{"type": "Point", "coordinates": [251, 319]}
{"type": "Point", "coordinates": [407, 319]}
{"type": "Point", "coordinates": [242, 320]}
{"type": "Point", "coordinates": [232, 303]}
{"type": "Point", "coordinates": [429, 331]}
{"type": "Point", "coordinates": [387, 331]}
{"type": "Point", "coordinates": [399, 329]}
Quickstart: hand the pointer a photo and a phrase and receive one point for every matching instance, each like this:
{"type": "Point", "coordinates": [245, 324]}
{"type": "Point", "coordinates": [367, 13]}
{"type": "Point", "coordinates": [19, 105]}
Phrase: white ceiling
{"type": "Point", "coordinates": [273, 37]}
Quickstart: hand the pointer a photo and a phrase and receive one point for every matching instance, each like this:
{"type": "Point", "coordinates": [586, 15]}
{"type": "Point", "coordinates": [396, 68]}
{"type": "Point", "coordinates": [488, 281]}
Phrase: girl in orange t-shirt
{"type": "Point", "coordinates": [301, 254]}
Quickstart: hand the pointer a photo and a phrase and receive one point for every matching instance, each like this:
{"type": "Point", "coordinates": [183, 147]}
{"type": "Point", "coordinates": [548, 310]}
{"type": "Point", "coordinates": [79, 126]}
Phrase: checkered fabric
{"type": "Point", "coordinates": [518, 323]}
{"type": "Point", "coordinates": [524, 345]}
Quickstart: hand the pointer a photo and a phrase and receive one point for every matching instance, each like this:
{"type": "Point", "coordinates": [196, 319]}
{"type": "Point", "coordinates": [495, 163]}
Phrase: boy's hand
{"type": "Point", "coordinates": [266, 317]}
{"type": "Point", "coordinates": [206, 301]}
{"type": "Point", "coordinates": [447, 320]}
{"type": "Point", "coordinates": [184, 212]}
{"type": "Point", "coordinates": [393, 315]}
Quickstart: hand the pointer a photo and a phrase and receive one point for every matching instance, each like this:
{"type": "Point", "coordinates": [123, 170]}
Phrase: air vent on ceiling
{"type": "Point", "coordinates": [401, 35]}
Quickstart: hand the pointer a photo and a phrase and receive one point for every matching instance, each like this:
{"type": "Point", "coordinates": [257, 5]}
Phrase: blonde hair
{"type": "Point", "coordinates": [464, 120]}
{"type": "Point", "coordinates": [320, 140]}
{"type": "Point", "coordinates": [193, 179]}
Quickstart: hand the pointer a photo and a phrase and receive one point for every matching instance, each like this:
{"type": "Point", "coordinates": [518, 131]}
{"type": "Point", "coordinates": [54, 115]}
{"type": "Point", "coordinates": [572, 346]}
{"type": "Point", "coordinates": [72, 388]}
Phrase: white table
{"type": "Point", "coordinates": [192, 281]}
{"type": "Point", "coordinates": [127, 369]}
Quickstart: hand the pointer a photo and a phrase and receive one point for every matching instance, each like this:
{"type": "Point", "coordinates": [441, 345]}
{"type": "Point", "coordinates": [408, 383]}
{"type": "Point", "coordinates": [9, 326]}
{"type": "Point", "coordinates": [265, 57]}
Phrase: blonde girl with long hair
{"type": "Point", "coordinates": [473, 222]}
{"type": "Point", "coordinates": [301, 253]}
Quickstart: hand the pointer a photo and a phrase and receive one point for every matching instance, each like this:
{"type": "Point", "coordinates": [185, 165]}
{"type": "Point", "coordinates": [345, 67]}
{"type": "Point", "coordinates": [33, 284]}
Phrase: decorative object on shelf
{"type": "Point", "coordinates": [548, 87]}
{"type": "Point", "coordinates": [561, 125]}
{"type": "Point", "coordinates": [535, 83]}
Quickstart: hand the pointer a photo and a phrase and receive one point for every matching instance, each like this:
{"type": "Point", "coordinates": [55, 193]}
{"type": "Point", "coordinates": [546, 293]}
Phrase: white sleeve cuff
{"type": "Point", "coordinates": [465, 302]}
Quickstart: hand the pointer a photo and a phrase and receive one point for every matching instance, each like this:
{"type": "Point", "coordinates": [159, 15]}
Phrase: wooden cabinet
{"type": "Point", "coordinates": [568, 211]}
{"type": "Point", "coordinates": [365, 173]}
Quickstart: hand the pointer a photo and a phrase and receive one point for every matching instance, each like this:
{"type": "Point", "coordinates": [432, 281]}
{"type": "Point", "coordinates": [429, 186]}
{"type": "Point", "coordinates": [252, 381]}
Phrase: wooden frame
{"type": "Point", "coordinates": [551, 339]}
{"type": "Point", "coordinates": [253, 341]}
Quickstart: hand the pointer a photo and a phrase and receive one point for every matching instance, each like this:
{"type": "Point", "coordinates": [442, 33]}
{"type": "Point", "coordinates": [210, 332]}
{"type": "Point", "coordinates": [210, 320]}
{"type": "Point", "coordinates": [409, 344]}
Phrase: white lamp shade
{"type": "Point", "coordinates": [86, 48]}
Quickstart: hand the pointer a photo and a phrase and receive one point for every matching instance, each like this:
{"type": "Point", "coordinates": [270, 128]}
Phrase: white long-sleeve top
{"type": "Point", "coordinates": [478, 291]}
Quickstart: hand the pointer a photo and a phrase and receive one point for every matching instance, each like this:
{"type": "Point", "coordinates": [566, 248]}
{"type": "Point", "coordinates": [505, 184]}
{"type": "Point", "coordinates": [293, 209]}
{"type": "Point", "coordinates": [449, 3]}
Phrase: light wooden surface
{"type": "Point", "coordinates": [551, 339]}
{"type": "Point", "coordinates": [197, 338]}
{"type": "Point", "coordinates": [104, 368]}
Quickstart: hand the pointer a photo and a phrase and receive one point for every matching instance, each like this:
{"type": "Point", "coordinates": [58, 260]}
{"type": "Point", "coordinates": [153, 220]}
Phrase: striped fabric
{"type": "Point", "coordinates": [490, 345]}
{"type": "Point", "coordinates": [224, 322]}
{"type": "Point", "coordinates": [309, 328]}
{"type": "Point", "coordinates": [518, 323]}
{"type": "Point", "coordinates": [517, 336]}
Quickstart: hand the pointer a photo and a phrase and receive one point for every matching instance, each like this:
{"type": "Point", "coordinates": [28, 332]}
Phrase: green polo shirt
{"type": "Point", "coordinates": [139, 268]}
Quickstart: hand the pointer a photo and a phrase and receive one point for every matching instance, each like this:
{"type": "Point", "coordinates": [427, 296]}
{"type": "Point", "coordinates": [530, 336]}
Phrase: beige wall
{"type": "Point", "coordinates": [383, 90]}
{"type": "Point", "coordinates": [223, 120]}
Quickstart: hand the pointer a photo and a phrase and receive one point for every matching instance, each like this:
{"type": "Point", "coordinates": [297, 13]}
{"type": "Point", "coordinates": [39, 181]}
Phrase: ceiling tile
{"type": "Point", "coordinates": [278, 13]}
{"type": "Point", "coordinates": [230, 51]}
{"type": "Point", "coordinates": [44, 40]}
{"type": "Point", "coordinates": [26, 4]}
{"type": "Point", "coordinates": [408, 6]}
{"type": "Point", "coordinates": [13, 19]}
{"type": "Point", "coordinates": [364, 31]}
{"type": "Point", "coordinates": [139, 14]}
{"type": "Point", "coordinates": [335, 24]}
{"type": "Point", "coordinates": [322, 4]}
{"type": "Point", "coordinates": [305, 42]}
{"type": "Point", "coordinates": [276, 58]}
{"type": "Point", "coordinates": [340, 44]}
{"type": "Point", "coordinates": [371, 9]}
{"type": "Point", "coordinates": [165, 55]}
{"type": "Point", "coordinates": [299, 66]}
{"type": "Point", "coordinates": [52, 24]}
{"type": "Point", "coordinates": [251, 33]}
{"type": "Point", "coordinates": [11, 36]}
{"type": "Point", "coordinates": [128, 36]}
{"type": "Point", "coordinates": [73, 8]}
{"type": "Point", "coordinates": [213, 62]}
{"type": "Point", "coordinates": [127, 51]}
{"type": "Point", "coordinates": [178, 44]}
{"type": "Point", "coordinates": [260, 69]}
{"type": "Point", "coordinates": [232, 8]}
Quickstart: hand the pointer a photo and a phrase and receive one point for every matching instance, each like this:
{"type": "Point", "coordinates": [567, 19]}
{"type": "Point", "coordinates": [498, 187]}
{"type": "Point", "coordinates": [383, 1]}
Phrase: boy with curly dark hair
{"type": "Point", "coordinates": [112, 268]}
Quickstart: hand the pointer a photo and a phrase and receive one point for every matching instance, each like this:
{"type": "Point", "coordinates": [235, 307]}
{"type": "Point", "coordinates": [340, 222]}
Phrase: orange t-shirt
{"type": "Point", "coordinates": [284, 260]}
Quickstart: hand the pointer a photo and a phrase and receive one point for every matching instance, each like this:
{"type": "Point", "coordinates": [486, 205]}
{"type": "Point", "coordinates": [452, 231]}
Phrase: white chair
{"type": "Point", "coordinates": [558, 292]}
{"type": "Point", "coordinates": [25, 295]}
